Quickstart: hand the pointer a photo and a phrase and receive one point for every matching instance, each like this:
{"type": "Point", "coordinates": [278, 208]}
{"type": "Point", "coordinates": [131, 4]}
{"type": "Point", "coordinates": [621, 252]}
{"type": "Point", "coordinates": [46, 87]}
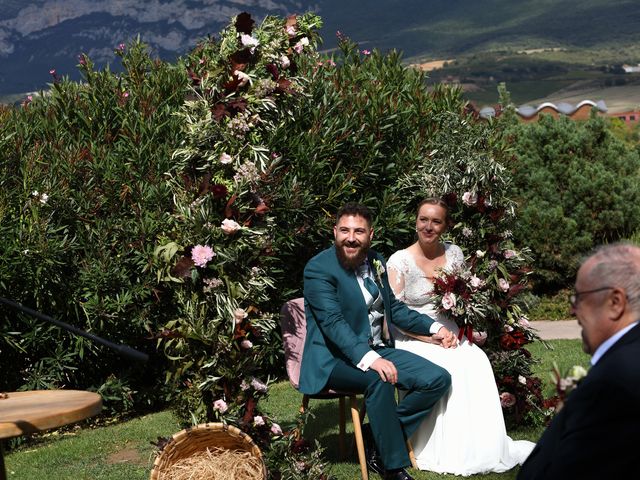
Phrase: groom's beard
{"type": "Point", "coordinates": [353, 260]}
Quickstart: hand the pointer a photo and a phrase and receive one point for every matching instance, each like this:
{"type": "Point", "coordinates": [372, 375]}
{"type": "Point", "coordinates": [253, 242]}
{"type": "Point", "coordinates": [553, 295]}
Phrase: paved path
{"type": "Point", "coordinates": [555, 329]}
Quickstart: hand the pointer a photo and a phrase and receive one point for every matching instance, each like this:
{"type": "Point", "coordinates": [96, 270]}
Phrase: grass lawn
{"type": "Point", "coordinates": [124, 451]}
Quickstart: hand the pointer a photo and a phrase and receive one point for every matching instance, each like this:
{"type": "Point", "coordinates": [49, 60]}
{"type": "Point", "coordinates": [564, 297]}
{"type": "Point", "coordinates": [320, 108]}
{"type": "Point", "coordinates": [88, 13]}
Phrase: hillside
{"type": "Point", "coordinates": [39, 35]}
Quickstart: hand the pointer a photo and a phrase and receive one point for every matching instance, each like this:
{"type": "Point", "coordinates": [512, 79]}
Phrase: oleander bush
{"type": "Point", "coordinates": [83, 196]}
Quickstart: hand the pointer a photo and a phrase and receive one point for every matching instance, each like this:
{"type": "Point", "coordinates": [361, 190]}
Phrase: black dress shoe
{"type": "Point", "coordinates": [400, 474]}
{"type": "Point", "coordinates": [374, 462]}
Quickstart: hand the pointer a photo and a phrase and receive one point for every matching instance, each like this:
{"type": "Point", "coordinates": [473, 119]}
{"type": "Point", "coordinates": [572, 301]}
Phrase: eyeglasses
{"type": "Point", "coordinates": [573, 298]}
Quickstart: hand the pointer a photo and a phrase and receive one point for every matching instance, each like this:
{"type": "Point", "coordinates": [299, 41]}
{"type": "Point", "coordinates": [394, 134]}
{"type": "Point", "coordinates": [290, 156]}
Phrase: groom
{"type": "Point", "coordinates": [596, 434]}
{"type": "Point", "coordinates": [349, 306]}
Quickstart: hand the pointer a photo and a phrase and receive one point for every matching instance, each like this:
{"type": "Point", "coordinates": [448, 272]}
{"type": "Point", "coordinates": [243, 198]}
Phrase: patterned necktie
{"type": "Point", "coordinates": [371, 287]}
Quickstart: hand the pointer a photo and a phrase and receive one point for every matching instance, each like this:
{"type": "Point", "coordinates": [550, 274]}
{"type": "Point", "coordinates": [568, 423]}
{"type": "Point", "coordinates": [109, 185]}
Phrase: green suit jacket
{"type": "Point", "coordinates": [338, 318]}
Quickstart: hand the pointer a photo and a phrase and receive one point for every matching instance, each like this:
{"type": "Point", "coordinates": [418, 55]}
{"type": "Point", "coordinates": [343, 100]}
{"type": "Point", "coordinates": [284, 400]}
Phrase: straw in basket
{"type": "Point", "coordinates": [199, 441]}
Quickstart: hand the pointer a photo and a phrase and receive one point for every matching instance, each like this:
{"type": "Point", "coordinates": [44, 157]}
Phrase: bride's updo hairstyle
{"type": "Point", "coordinates": [439, 202]}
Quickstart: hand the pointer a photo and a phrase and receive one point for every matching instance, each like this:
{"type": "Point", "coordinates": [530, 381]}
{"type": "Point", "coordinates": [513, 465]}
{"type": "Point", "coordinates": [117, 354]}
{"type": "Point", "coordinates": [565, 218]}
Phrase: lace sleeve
{"type": "Point", "coordinates": [396, 276]}
{"type": "Point", "coordinates": [456, 257]}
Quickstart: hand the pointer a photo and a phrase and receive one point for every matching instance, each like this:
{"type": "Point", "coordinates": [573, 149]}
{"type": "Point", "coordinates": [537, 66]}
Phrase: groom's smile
{"type": "Point", "coordinates": [353, 236]}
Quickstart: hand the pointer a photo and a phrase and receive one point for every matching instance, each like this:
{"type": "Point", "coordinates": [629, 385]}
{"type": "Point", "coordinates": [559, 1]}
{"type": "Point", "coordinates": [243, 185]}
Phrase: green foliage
{"type": "Point", "coordinates": [82, 196]}
{"type": "Point", "coordinates": [365, 121]}
{"type": "Point", "coordinates": [577, 188]}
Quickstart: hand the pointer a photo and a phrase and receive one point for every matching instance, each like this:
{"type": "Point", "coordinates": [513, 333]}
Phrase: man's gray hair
{"type": "Point", "coordinates": [618, 265]}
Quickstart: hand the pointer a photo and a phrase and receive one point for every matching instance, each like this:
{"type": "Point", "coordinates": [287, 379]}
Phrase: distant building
{"type": "Point", "coordinates": [631, 68]}
{"type": "Point", "coordinates": [528, 113]}
{"type": "Point", "coordinates": [630, 118]}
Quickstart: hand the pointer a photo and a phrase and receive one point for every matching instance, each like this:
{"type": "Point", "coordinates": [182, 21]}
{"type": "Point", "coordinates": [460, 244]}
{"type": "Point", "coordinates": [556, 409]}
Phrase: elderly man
{"type": "Point", "coordinates": [597, 431]}
{"type": "Point", "coordinates": [348, 306]}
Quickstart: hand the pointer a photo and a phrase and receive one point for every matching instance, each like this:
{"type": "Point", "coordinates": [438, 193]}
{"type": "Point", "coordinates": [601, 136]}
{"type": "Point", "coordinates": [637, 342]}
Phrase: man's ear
{"type": "Point", "coordinates": [617, 303]}
{"type": "Point", "coordinates": [371, 234]}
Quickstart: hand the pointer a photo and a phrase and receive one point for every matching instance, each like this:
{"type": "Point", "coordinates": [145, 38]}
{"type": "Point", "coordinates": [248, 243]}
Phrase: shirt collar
{"type": "Point", "coordinates": [610, 342]}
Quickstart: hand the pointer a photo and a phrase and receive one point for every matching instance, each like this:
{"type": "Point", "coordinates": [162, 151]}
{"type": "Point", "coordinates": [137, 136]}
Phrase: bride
{"type": "Point", "coordinates": [465, 434]}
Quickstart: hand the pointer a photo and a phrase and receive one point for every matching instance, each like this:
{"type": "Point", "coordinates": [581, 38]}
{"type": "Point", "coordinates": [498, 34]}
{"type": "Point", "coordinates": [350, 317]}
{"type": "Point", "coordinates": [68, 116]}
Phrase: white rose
{"type": "Point", "coordinates": [230, 226]}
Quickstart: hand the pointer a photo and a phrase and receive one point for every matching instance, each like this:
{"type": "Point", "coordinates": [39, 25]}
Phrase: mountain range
{"type": "Point", "coordinates": [37, 36]}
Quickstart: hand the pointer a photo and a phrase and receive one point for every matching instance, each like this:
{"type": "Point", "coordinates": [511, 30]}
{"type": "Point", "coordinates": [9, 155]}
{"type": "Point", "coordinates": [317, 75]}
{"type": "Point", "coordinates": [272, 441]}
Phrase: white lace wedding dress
{"type": "Point", "coordinates": [465, 433]}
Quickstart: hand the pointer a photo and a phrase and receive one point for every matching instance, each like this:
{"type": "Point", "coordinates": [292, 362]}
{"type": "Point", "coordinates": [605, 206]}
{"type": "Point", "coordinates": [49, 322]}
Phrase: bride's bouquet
{"type": "Point", "coordinates": [461, 295]}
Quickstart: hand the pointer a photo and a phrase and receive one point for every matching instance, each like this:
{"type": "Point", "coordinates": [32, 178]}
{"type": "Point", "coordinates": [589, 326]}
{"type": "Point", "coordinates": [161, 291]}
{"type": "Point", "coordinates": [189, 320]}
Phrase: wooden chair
{"type": "Point", "coordinates": [294, 331]}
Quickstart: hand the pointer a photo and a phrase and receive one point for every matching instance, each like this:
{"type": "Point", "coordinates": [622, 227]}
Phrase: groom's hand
{"type": "Point", "coordinates": [447, 339]}
{"type": "Point", "coordinates": [386, 370]}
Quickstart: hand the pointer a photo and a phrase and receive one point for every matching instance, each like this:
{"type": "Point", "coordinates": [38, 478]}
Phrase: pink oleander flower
{"type": "Point", "coordinates": [469, 198]}
{"type": "Point", "coordinates": [201, 255]}
{"type": "Point", "coordinates": [220, 405]}
{"type": "Point", "coordinates": [503, 285]}
{"type": "Point", "coordinates": [122, 47]}
{"type": "Point", "coordinates": [225, 158]}
{"type": "Point", "coordinates": [230, 226]}
{"type": "Point", "coordinates": [258, 421]}
{"type": "Point", "coordinates": [507, 399]}
{"type": "Point", "coordinates": [331, 63]}
{"type": "Point", "coordinates": [275, 429]}
{"type": "Point", "coordinates": [239, 314]}
{"type": "Point", "coordinates": [246, 344]}
{"type": "Point", "coordinates": [448, 301]}
{"type": "Point", "coordinates": [366, 52]}
{"type": "Point", "coordinates": [52, 72]}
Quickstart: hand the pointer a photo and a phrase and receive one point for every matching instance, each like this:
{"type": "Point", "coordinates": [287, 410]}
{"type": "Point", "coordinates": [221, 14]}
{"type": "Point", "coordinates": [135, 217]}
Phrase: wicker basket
{"type": "Point", "coordinates": [207, 435]}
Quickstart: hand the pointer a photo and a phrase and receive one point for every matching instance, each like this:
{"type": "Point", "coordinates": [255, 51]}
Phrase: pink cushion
{"type": "Point", "coordinates": [294, 331]}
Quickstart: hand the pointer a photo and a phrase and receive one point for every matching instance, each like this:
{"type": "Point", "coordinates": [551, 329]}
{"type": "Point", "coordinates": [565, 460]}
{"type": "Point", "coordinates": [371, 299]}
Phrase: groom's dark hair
{"type": "Point", "coordinates": [354, 208]}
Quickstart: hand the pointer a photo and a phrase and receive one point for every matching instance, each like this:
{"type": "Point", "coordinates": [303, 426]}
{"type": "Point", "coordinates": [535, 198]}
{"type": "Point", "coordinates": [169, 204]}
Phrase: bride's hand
{"type": "Point", "coordinates": [446, 338]}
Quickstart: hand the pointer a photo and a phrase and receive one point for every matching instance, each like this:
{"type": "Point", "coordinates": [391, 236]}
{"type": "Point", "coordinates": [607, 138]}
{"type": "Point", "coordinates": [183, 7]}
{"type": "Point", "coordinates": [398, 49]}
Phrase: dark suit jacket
{"type": "Point", "coordinates": [596, 435]}
{"type": "Point", "coordinates": [337, 318]}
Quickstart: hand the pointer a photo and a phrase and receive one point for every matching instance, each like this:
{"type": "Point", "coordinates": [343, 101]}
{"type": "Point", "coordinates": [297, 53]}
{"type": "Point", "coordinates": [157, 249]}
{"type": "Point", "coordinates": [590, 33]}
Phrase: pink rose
{"type": "Point", "coordinates": [509, 253]}
{"type": "Point", "coordinates": [246, 344]}
{"type": "Point", "coordinates": [258, 421]}
{"type": "Point", "coordinates": [225, 159]}
{"type": "Point", "coordinates": [448, 301]}
{"type": "Point", "coordinates": [524, 322]}
{"type": "Point", "coordinates": [201, 254]}
{"type": "Point", "coordinates": [503, 285]}
{"type": "Point", "coordinates": [507, 399]}
{"type": "Point", "coordinates": [229, 226]}
{"type": "Point", "coordinates": [275, 429]}
{"type": "Point", "coordinates": [469, 198]}
{"type": "Point", "coordinates": [239, 314]}
{"type": "Point", "coordinates": [303, 42]}
{"type": "Point", "coordinates": [475, 282]}
{"type": "Point", "coordinates": [220, 405]}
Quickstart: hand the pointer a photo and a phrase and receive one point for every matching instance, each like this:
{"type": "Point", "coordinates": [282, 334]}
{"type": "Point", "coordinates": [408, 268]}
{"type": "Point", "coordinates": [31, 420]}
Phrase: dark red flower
{"type": "Point", "coordinates": [244, 23]}
{"type": "Point", "coordinates": [218, 190]}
